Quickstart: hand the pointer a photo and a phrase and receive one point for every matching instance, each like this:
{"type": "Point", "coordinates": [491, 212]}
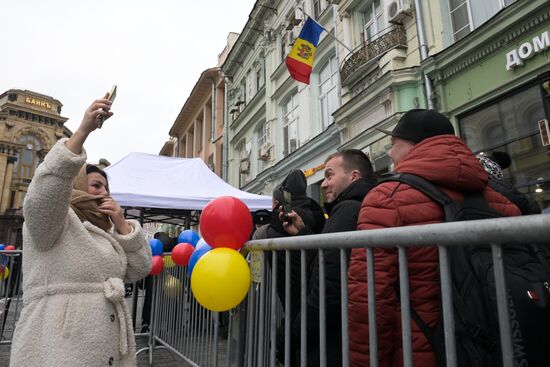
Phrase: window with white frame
{"type": "Point", "coordinates": [318, 7]}
{"type": "Point", "coordinates": [290, 124]}
{"type": "Point", "coordinates": [264, 135]}
{"type": "Point", "coordinates": [372, 20]}
{"type": "Point", "coordinates": [284, 45]}
{"type": "Point", "coordinates": [466, 15]}
{"type": "Point", "coordinates": [259, 77]}
{"type": "Point", "coordinates": [264, 145]}
{"type": "Point", "coordinates": [460, 18]}
{"type": "Point", "coordinates": [244, 162]}
{"type": "Point", "coordinates": [328, 90]}
{"type": "Point", "coordinates": [251, 91]}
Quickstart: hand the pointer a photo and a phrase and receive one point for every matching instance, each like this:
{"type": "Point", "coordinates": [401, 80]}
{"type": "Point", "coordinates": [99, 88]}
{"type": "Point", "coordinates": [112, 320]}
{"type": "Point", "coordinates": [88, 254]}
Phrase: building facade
{"type": "Point", "coordinates": [275, 123]}
{"type": "Point", "coordinates": [494, 83]}
{"type": "Point", "coordinates": [199, 128]}
{"type": "Point", "coordinates": [30, 124]}
{"type": "Point", "coordinates": [392, 56]}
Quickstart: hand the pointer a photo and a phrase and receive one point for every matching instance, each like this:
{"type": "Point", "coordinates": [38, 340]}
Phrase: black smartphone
{"type": "Point", "coordinates": [111, 97]}
{"type": "Point", "coordinates": [287, 205]}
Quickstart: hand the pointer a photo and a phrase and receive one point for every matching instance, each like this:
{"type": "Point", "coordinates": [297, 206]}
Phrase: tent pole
{"type": "Point", "coordinates": [135, 288]}
{"type": "Point", "coordinates": [188, 220]}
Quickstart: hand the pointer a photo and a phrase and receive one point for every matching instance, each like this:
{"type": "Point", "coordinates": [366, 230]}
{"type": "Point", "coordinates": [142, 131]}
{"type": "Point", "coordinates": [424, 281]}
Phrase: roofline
{"type": "Point", "coordinates": [26, 91]}
{"type": "Point", "coordinates": [208, 73]}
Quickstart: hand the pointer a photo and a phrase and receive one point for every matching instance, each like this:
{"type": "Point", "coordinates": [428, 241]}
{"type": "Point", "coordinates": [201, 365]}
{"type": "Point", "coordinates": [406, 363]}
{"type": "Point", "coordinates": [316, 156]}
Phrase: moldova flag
{"type": "Point", "coordinates": [300, 59]}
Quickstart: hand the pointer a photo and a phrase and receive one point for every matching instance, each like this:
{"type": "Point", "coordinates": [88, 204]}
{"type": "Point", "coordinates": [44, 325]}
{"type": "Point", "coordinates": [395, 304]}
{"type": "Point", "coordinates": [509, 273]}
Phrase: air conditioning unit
{"type": "Point", "coordinates": [244, 166]}
{"type": "Point", "coordinates": [264, 152]}
{"type": "Point", "coordinates": [397, 10]}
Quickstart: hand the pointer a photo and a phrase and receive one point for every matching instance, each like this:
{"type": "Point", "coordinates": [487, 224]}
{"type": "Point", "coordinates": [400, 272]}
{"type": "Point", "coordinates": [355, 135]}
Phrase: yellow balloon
{"type": "Point", "coordinates": [4, 272]}
{"type": "Point", "coordinates": [168, 262]}
{"type": "Point", "coordinates": [220, 279]}
{"type": "Point", "coordinates": [172, 286]}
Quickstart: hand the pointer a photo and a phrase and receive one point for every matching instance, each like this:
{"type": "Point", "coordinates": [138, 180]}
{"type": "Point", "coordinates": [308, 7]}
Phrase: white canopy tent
{"type": "Point", "coordinates": [171, 186]}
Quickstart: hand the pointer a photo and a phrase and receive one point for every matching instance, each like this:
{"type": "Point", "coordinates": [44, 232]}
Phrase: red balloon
{"type": "Point", "coordinates": [158, 265]}
{"type": "Point", "coordinates": [181, 253]}
{"type": "Point", "coordinates": [226, 222]}
{"type": "Point", "coordinates": [10, 248]}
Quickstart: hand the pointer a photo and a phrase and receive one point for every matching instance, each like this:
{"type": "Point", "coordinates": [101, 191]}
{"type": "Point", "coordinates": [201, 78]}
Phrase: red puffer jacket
{"type": "Point", "coordinates": [447, 162]}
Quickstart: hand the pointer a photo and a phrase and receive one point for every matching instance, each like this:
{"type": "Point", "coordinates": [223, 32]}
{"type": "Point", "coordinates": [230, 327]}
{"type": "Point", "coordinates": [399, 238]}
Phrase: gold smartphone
{"type": "Point", "coordinates": [287, 205]}
{"type": "Point", "coordinates": [111, 97]}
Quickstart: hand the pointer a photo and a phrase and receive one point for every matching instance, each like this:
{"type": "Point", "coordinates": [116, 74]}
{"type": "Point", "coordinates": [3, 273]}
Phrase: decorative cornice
{"type": "Point", "coordinates": [10, 149]}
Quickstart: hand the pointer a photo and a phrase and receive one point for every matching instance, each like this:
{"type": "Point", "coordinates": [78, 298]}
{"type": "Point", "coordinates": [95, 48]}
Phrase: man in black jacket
{"type": "Point", "coordinates": [348, 179]}
{"type": "Point", "coordinates": [313, 217]}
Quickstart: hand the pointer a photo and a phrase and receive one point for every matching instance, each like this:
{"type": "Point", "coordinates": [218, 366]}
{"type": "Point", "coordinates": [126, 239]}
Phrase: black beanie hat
{"type": "Point", "coordinates": [502, 159]}
{"type": "Point", "coordinates": [295, 183]}
{"type": "Point", "coordinates": [419, 124]}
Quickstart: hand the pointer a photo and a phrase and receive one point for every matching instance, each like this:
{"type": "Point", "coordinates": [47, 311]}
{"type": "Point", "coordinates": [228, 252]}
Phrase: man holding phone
{"type": "Point", "coordinates": [348, 179]}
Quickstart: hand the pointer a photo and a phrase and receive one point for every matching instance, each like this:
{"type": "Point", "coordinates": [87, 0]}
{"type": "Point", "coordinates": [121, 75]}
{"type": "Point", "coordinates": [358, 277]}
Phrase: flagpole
{"type": "Point", "coordinates": [330, 34]}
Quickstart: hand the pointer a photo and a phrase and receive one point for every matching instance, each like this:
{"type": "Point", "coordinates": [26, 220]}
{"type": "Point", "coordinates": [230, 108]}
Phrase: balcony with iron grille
{"type": "Point", "coordinates": [372, 50]}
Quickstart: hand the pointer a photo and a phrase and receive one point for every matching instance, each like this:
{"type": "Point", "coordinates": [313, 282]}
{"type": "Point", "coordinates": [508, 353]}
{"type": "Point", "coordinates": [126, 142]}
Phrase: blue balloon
{"type": "Point", "coordinates": [188, 236]}
{"type": "Point", "coordinates": [156, 246]}
{"type": "Point", "coordinates": [201, 244]}
{"type": "Point", "coordinates": [2, 247]}
{"type": "Point", "coordinates": [195, 256]}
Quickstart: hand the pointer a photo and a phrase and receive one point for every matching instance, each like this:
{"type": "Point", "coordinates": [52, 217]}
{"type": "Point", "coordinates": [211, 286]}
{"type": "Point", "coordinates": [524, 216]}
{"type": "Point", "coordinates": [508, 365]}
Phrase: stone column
{"type": "Point", "coordinates": [17, 202]}
{"type": "Point", "coordinates": [3, 168]}
{"type": "Point", "coordinates": [5, 202]}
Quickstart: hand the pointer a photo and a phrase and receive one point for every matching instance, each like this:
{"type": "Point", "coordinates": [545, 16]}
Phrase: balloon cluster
{"type": "Point", "coordinates": [156, 251]}
{"type": "Point", "coordinates": [4, 270]}
{"type": "Point", "coordinates": [220, 276]}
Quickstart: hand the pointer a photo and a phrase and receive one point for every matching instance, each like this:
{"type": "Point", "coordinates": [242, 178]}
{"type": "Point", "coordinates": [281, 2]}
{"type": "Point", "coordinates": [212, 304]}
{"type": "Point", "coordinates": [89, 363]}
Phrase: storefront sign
{"type": "Point", "coordinates": [38, 102]}
{"type": "Point", "coordinates": [527, 50]}
{"type": "Point", "coordinates": [311, 171]}
{"type": "Point", "coordinates": [544, 132]}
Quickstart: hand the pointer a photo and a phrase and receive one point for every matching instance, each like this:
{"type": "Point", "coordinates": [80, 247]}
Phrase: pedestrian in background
{"type": "Point", "coordinates": [78, 250]}
{"type": "Point", "coordinates": [494, 165]}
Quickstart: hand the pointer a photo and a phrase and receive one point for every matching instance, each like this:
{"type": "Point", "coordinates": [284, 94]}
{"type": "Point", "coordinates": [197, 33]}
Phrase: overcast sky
{"type": "Point", "coordinates": [75, 50]}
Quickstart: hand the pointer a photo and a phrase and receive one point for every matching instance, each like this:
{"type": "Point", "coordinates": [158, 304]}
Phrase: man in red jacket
{"type": "Point", "coordinates": [423, 143]}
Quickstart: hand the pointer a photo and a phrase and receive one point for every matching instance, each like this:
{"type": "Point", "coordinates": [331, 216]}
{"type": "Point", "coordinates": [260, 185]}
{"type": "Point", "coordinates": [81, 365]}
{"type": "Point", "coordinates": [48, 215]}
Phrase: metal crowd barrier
{"type": "Point", "coordinates": [11, 296]}
{"type": "Point", "coordinates": [190, 332]}
{"type": "Point", "coordinates": [179, 323]}
{"type": "Point", "coordinates": [263, 311]}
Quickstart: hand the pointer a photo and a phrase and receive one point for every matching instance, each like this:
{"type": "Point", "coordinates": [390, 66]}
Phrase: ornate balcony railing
{"type": "Point", "coordinates": [371, 50]}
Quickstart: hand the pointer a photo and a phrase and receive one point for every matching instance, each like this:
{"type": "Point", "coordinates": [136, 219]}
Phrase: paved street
{"type": "Point", "coordinates": [161, 357]}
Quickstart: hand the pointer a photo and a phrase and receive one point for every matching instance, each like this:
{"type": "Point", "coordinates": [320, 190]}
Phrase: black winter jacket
{"type": "Point", "coordinates": [343, 214]}
{"type": "Point", "coordinates": [523, 202]}
{"type": "Point", "coordinates": [314, 218]}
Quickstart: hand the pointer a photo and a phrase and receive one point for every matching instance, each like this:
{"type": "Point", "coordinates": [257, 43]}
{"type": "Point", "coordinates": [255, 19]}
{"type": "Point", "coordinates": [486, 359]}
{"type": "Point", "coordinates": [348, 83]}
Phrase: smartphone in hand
{"type": "Point", "coordinates": [111, 97]}
{"type": "Point", "coordinates": [287, 205]}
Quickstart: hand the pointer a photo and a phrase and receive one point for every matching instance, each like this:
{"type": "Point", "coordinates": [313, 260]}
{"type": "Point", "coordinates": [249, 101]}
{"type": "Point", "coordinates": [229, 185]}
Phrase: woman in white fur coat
{"type": "Point", "coordinates": [78, 250]}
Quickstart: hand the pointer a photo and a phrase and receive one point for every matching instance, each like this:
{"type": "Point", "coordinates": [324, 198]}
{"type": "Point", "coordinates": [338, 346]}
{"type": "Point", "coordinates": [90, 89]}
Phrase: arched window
{"type": "Point", "coordinates": [28, 158]}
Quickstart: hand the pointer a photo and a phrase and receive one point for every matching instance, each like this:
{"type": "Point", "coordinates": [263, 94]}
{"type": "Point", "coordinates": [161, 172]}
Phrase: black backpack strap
{"type": "Point", "coordinates": [421, 184]}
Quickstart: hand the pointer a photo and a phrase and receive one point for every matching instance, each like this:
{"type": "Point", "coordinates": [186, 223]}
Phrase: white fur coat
{"type": "Point", "coordinates": [74, 312]}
